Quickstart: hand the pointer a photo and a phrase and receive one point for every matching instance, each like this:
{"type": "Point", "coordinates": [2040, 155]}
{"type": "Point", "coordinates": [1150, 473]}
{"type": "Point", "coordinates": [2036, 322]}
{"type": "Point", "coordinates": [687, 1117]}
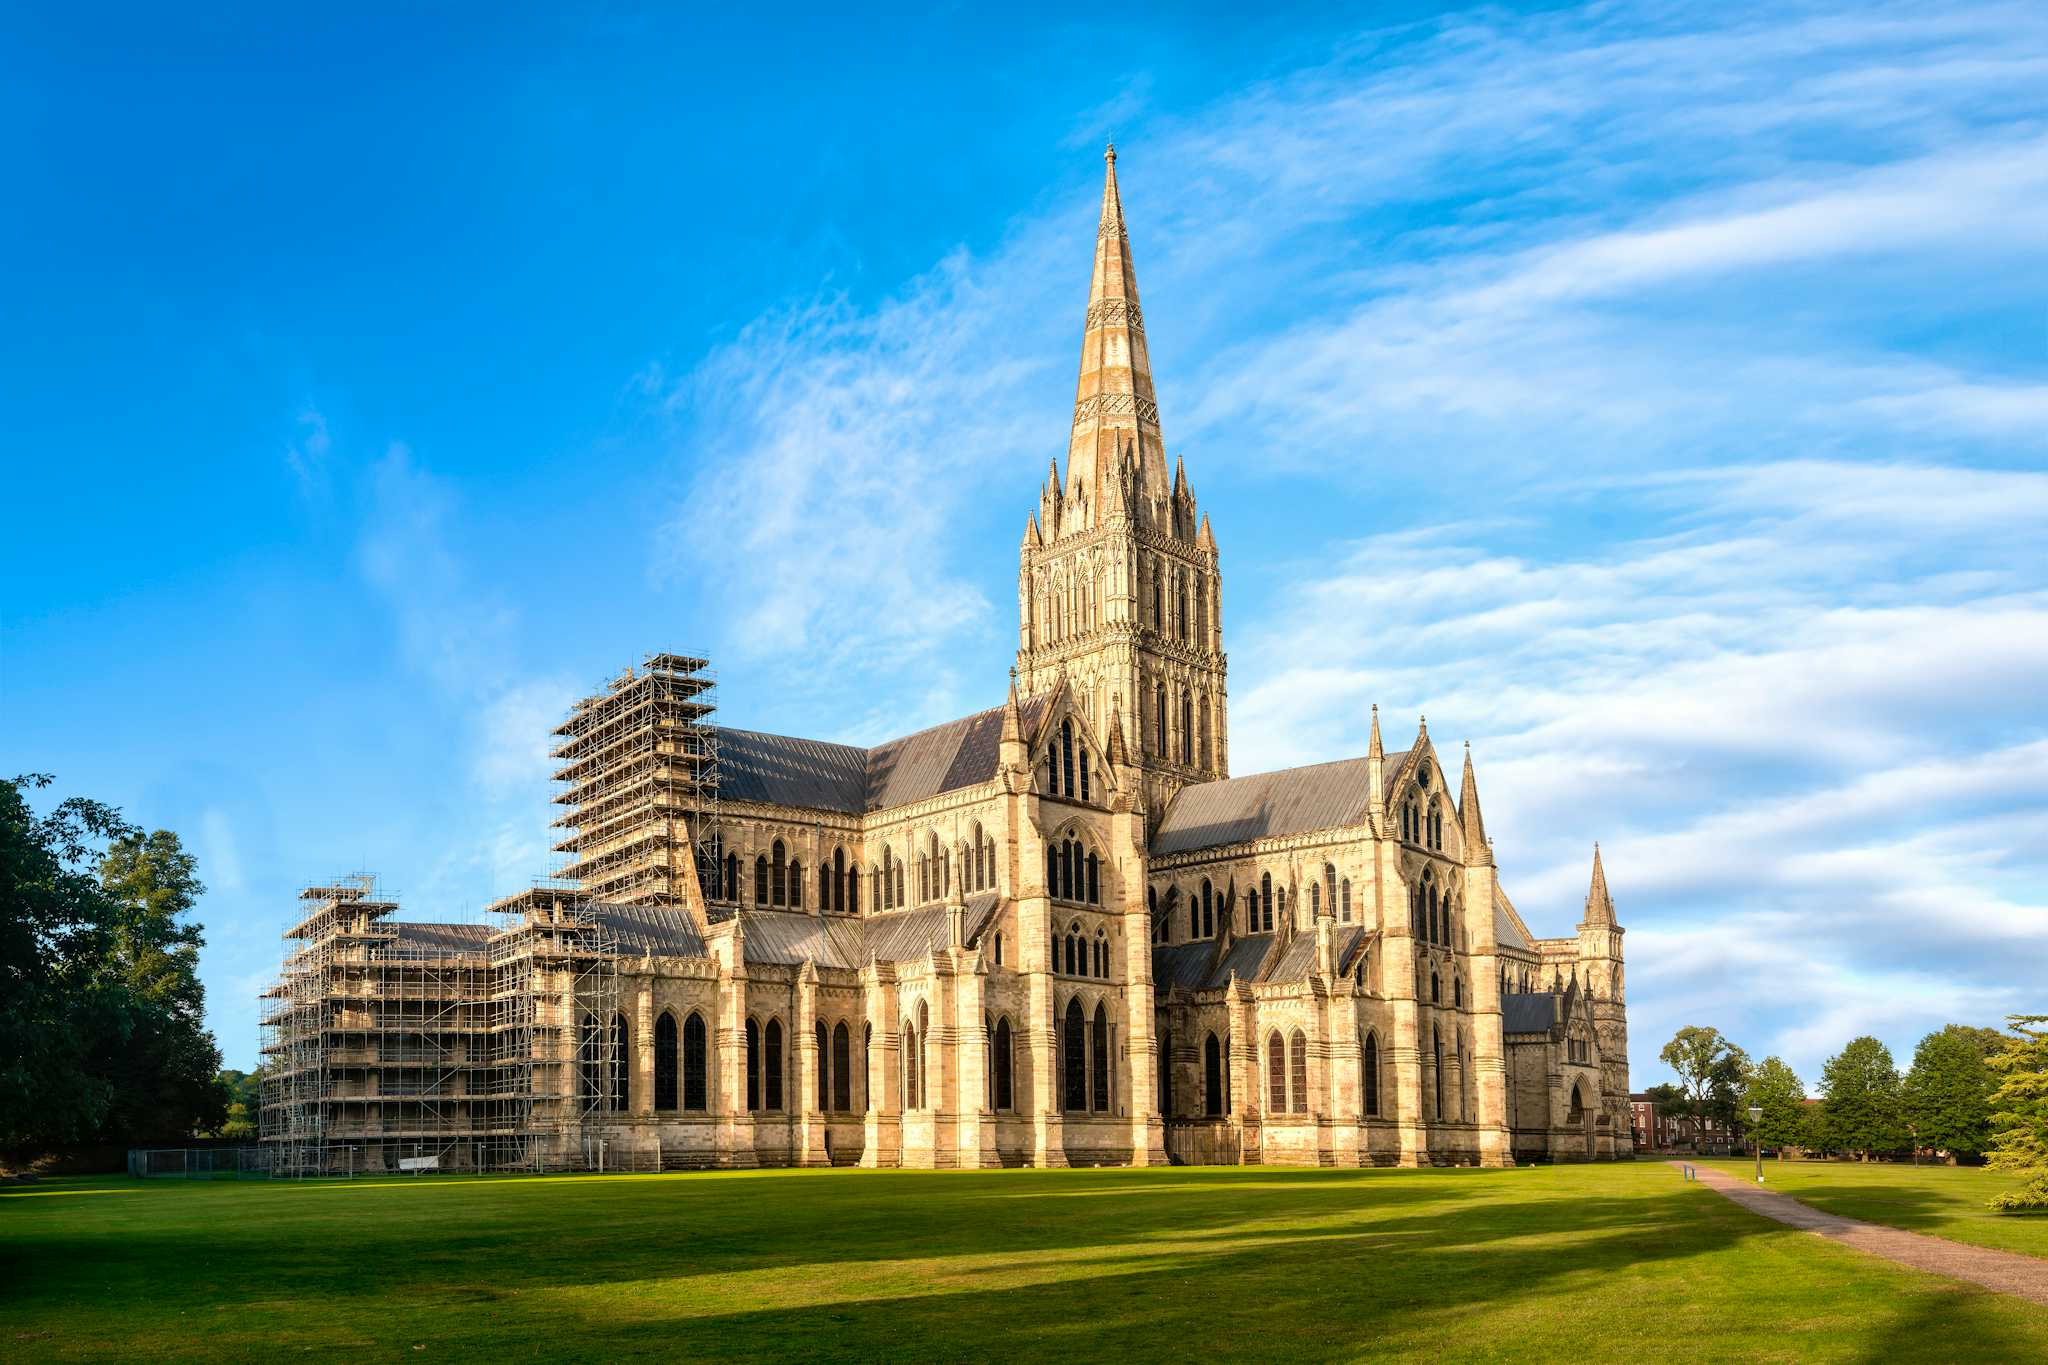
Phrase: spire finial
{"type": "Point", "coordinates": [1109, 152]}
{"type": "Point", "coordinates": [1599, 905]}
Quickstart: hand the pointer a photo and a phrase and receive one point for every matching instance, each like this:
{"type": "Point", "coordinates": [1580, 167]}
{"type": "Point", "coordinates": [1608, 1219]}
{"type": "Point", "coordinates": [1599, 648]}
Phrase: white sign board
{"type": "Point", "coordinates": [419, 1163]}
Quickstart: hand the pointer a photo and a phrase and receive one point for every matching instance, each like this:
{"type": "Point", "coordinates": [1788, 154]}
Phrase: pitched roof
{"type": "Point", "coordinates": [787, 938]}
{"type": "Point", "coordinates": [783, 770]}
{"type": "Point", "coordinates": [1534, 1012]}
{"type": "Point", "coordinates": [420, 937]}
{"type": "Point", "coordinates": [1290, 801]}
{"type": "Point", "coordinates": [650, 930]}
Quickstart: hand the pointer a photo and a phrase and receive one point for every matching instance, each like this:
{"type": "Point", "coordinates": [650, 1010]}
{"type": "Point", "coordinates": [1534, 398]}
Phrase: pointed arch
{"type": "Point", "coordinates": [842, 1067]}
{"type": "Point", "coordinates": [1099, 1054]}
{"type": "Point", "coordinates": [1005, 1073]}
{"type": "Point", "coordinates": [778, 875]}
{"type": "Point", "coordinates": [696, 1072]}
{"type": "Point", "coordinates": [665, 1062]}
{"type": "Point", "coordinates": [1276, 1073]}
{"type": "Point", "coordinates": [753, 1065]}
{"type": "Point", "coordinates": [1297, 1071]}
{"type": "Point", "coordinates": [1369, 1068]}
{"type": "Point", "coordinates": [622, 1064]}
{"type": "Point", "coordinates": [1074, 1057]}
{"type": "Point", "coordinates": [771, 1067]}
{"type": "Point", "coordinates": [1212, 1076]}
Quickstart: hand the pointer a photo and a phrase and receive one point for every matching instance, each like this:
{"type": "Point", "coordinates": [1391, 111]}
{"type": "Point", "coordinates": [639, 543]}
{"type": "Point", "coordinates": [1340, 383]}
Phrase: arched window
{"type": "Point", "coordinates": [1369, 1063]}
{"type": "Point", "coordinates": [753, 1065]}
{"type": "Point", "coordinates": [1100, 1053]}
{"type": "Point", "coordinates": [1187, 727]}
{"type": "Point", "coordinates": [1276, 1074]}
{"type": "Point", "coordinates": [1437, 1050]}
{"type": "Point", "coordinates": [1084, 773]}
{"type": "Point", "coordinates": [999, 950]}
{"type": "Point", "coordinates": [910, 1052]}
{"type": "Point", "coordinates": [1074, 1056]}
{"type": "Point", "coordinates": [1315, 900]}
{"type": "Point", "coordinates": [1165, 1072]}
{"type": "Point", "coordinates": [824, 1043]}
{"type": "Point", "coordinates": [842, 1068]}
{"type": "Point", "coordinates": [796, 884]}
{"type": "Point", "coordinates": [1212, 1076]}
{"type": "Point", "coordinates": [1005, 1096]}
{"type": "Point", "coordinates": [696, 1090]}
{"type": "Point", "coordinates": [761, 879]}
{"type": "Point", "coordinates": [839, 883]}
{"type": "Point", "coordinates": [731, 889]}
{"type": "Point", "coordinates": [853, 888]}
{"type": "Point", "coordinates": [1094, 880]}
{"type": "Point", "coordinates": [621, 1063]}
{"type": "Point", "coordinates": [1073, 955]}
{"type": "Point", "coordinates": [1194, 917]}
{"type": "Point", "coordinates": [1458, 991]}
{"type": "Point", "coordinates": [1069, 858]}
{"type": "Point", "coordinates": [1344, 897]}
{"type": "Point", "coordinates": [1208, 912]}
{"type": "Point", "coordinates": [1298, 1056]}
{"type": "Point", "coordinates": [980, 866]}
{"type": "Point", "coordinates": [778, 875]}
{"type": "Point", "coordinates": [1066, 758]}
{"type": "Point", "coordinates": [1266, 900]}
{"type": "Point", "coordinates": [899, 884]}
{"type": "Point", "coordinates": [771, 1068]}
{"type": "Point", "coordinates": [924, 1039]}
{"type": "Point", "coordinates": [1436, 994]}
{"type": "Point", "coordinates": [1279, 904]}
{"type": "Point", "coordinates": [1159, 718]}
{"type": "Point", "coordinates": [665, 1062]}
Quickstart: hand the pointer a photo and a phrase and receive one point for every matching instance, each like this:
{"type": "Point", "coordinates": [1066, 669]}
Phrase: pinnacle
{"type": "Point", "coordinates": [1599, 905]}
{"type": "Point", "coordinates": [1377, 750]}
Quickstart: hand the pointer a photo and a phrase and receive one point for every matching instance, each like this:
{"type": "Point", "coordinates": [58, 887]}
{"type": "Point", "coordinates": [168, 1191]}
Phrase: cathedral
{"type": "Point", "coordinates": [1054, 932]}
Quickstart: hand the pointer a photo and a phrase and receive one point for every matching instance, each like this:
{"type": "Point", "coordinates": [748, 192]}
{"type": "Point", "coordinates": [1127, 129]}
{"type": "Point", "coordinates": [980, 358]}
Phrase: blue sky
{"type": "Point", "coordinates": [1656, 395]}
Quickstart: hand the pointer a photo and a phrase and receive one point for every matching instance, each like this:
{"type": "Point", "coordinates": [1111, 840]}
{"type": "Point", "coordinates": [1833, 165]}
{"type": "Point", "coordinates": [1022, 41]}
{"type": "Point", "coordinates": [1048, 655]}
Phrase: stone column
{"type": "Point", "coordinates": [735, 1140]}
{"type": "Point", "coordinates": [810, 1125]}
{"type": "Point", "coordinates": [883, 1144]}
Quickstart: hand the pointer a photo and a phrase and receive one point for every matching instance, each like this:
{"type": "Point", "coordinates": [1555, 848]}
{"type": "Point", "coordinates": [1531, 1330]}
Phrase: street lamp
{"type": "Point", "coordinates": [1756, 1112]}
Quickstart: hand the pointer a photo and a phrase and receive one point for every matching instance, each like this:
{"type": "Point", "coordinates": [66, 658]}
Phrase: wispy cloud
{"type": "Point", "coordinates": [1698, 352]}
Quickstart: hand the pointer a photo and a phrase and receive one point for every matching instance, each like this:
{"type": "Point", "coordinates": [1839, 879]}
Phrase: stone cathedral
{"type": "Point", "coordinates": [1058, 931]}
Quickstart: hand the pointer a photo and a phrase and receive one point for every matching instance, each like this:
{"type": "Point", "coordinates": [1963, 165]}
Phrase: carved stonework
{"type": "Point", "coordinates": [1112, 404]}
{"type": "Point", "coordinates": [1115, 312]}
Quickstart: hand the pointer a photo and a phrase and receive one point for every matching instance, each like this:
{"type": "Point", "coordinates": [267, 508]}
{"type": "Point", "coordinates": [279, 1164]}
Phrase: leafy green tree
{"type": "Point", "coordinates": [2019, 1112]}
{"type": "Point", "coordinates": [1862, 1111]}
{"type": "Point", "coordinates": [1947, 1093]}
{"type": "Point", "coordinates": [101, 1028]}
{"type": "Point", "coordinates": [1777, 1090]}
{"type": "Point", "coordinates": [54, 999]}
{"type": "Point", "coordinates": [1710, 1074]}
{"type": "Point", "coordinates": [165, 1068]}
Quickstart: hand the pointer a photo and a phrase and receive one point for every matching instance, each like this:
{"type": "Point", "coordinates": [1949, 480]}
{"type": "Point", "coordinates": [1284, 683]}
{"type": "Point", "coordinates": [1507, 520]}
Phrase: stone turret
{"type": "Point", "coordinates": [1600, 973]}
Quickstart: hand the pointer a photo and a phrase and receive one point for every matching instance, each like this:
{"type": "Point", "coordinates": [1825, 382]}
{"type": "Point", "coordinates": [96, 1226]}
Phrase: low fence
{"type": "Point", "coordinates": [200, 1163]}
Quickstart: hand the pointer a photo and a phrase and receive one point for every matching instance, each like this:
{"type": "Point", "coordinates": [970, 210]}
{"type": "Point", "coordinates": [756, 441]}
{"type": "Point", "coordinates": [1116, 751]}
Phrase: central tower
{"type": "Point", "coordinates": [1118, 588]}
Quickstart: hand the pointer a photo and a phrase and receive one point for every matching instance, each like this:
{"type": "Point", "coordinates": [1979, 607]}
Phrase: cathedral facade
{"type": "Point", "coordinates": [1058, 931]}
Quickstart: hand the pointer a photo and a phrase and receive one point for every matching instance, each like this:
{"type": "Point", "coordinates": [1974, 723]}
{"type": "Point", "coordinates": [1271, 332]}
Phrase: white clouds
{"type": "Point", "coordinates": [1802, 713]}
{"type": "Point", "coordinates": [1718, 278]}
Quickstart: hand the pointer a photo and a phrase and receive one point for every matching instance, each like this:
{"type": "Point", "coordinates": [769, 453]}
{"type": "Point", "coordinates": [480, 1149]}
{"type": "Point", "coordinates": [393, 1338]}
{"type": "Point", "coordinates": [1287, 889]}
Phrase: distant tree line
{"type": "Point", "coordinates": [1971, 1094]}
{"type": "Point", "coordinates": [102, 1015]}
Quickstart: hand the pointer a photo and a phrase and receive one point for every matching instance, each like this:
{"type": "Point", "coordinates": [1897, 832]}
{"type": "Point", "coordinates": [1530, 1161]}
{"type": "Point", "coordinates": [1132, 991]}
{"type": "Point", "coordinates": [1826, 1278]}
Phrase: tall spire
{"type": "Point", "coordinates": [1599, 905]}
{"type": "Point", "coordinates": [1471, 827]}
{"type": "Point", "coordinates": [1113, 400]}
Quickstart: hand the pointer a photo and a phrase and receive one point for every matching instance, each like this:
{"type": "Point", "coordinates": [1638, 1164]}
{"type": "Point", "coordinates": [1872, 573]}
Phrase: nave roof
{"type": "Point", "coordinates": [1234, 810]}
{"type": "Point", "coordinates": [814, 774]}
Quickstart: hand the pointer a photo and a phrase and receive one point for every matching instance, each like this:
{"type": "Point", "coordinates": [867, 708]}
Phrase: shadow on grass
{"type": "Point", "coordinates": [959, 1266]}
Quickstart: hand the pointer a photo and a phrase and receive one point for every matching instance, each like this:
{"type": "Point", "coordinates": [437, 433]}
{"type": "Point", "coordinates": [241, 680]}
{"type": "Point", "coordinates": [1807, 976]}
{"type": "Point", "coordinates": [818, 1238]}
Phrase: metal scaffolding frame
{"type": "Point", "coordinates": [394, 1045]}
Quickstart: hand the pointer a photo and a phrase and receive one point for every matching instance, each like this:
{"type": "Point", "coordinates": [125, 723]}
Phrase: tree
{"type": "Point", "coordinates": [1862, 1111]}
{"type": "Point", "coordinates": [1710, 1073]}
{"type": "Point", "coordinates": [1947, 1094]}
{"type": "Point", "coordinates": [165, 1070]}
{"type": "Point", "coordinates": [101, 1011]}
{"type": "Point", "coordinates": [2019, 1113]}
{"type": "Point", "coordinates": [54, 937]}
{"type": "Point", "coordinates": [1777, 1090]}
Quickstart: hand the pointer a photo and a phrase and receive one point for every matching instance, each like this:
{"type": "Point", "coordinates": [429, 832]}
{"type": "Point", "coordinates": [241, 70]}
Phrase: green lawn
{"type": "Point", "coordinates": [1945, 1201]}
{"type": "Point", "coordinates": [1605, 1262]}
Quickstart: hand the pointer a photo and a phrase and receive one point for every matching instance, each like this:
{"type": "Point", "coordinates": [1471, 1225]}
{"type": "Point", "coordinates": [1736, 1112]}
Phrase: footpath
{"type": "Point", "coordinates": [2008, 1272]}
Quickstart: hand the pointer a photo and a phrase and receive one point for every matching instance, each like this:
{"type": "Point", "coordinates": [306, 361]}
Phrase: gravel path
{"type": "Point", "coordinates": [2008, 1272]}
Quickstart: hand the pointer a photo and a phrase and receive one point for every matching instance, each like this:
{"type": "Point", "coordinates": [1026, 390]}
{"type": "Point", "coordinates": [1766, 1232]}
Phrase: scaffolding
{"type": "Point", "coordinates": [640, 777]}
{"type": "Point", "coordinates": [394, 1046]}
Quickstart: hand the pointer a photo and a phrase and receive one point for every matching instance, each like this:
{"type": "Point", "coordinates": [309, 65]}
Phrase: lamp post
{"type": "Point", "coordinates": [1756, 1112]}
